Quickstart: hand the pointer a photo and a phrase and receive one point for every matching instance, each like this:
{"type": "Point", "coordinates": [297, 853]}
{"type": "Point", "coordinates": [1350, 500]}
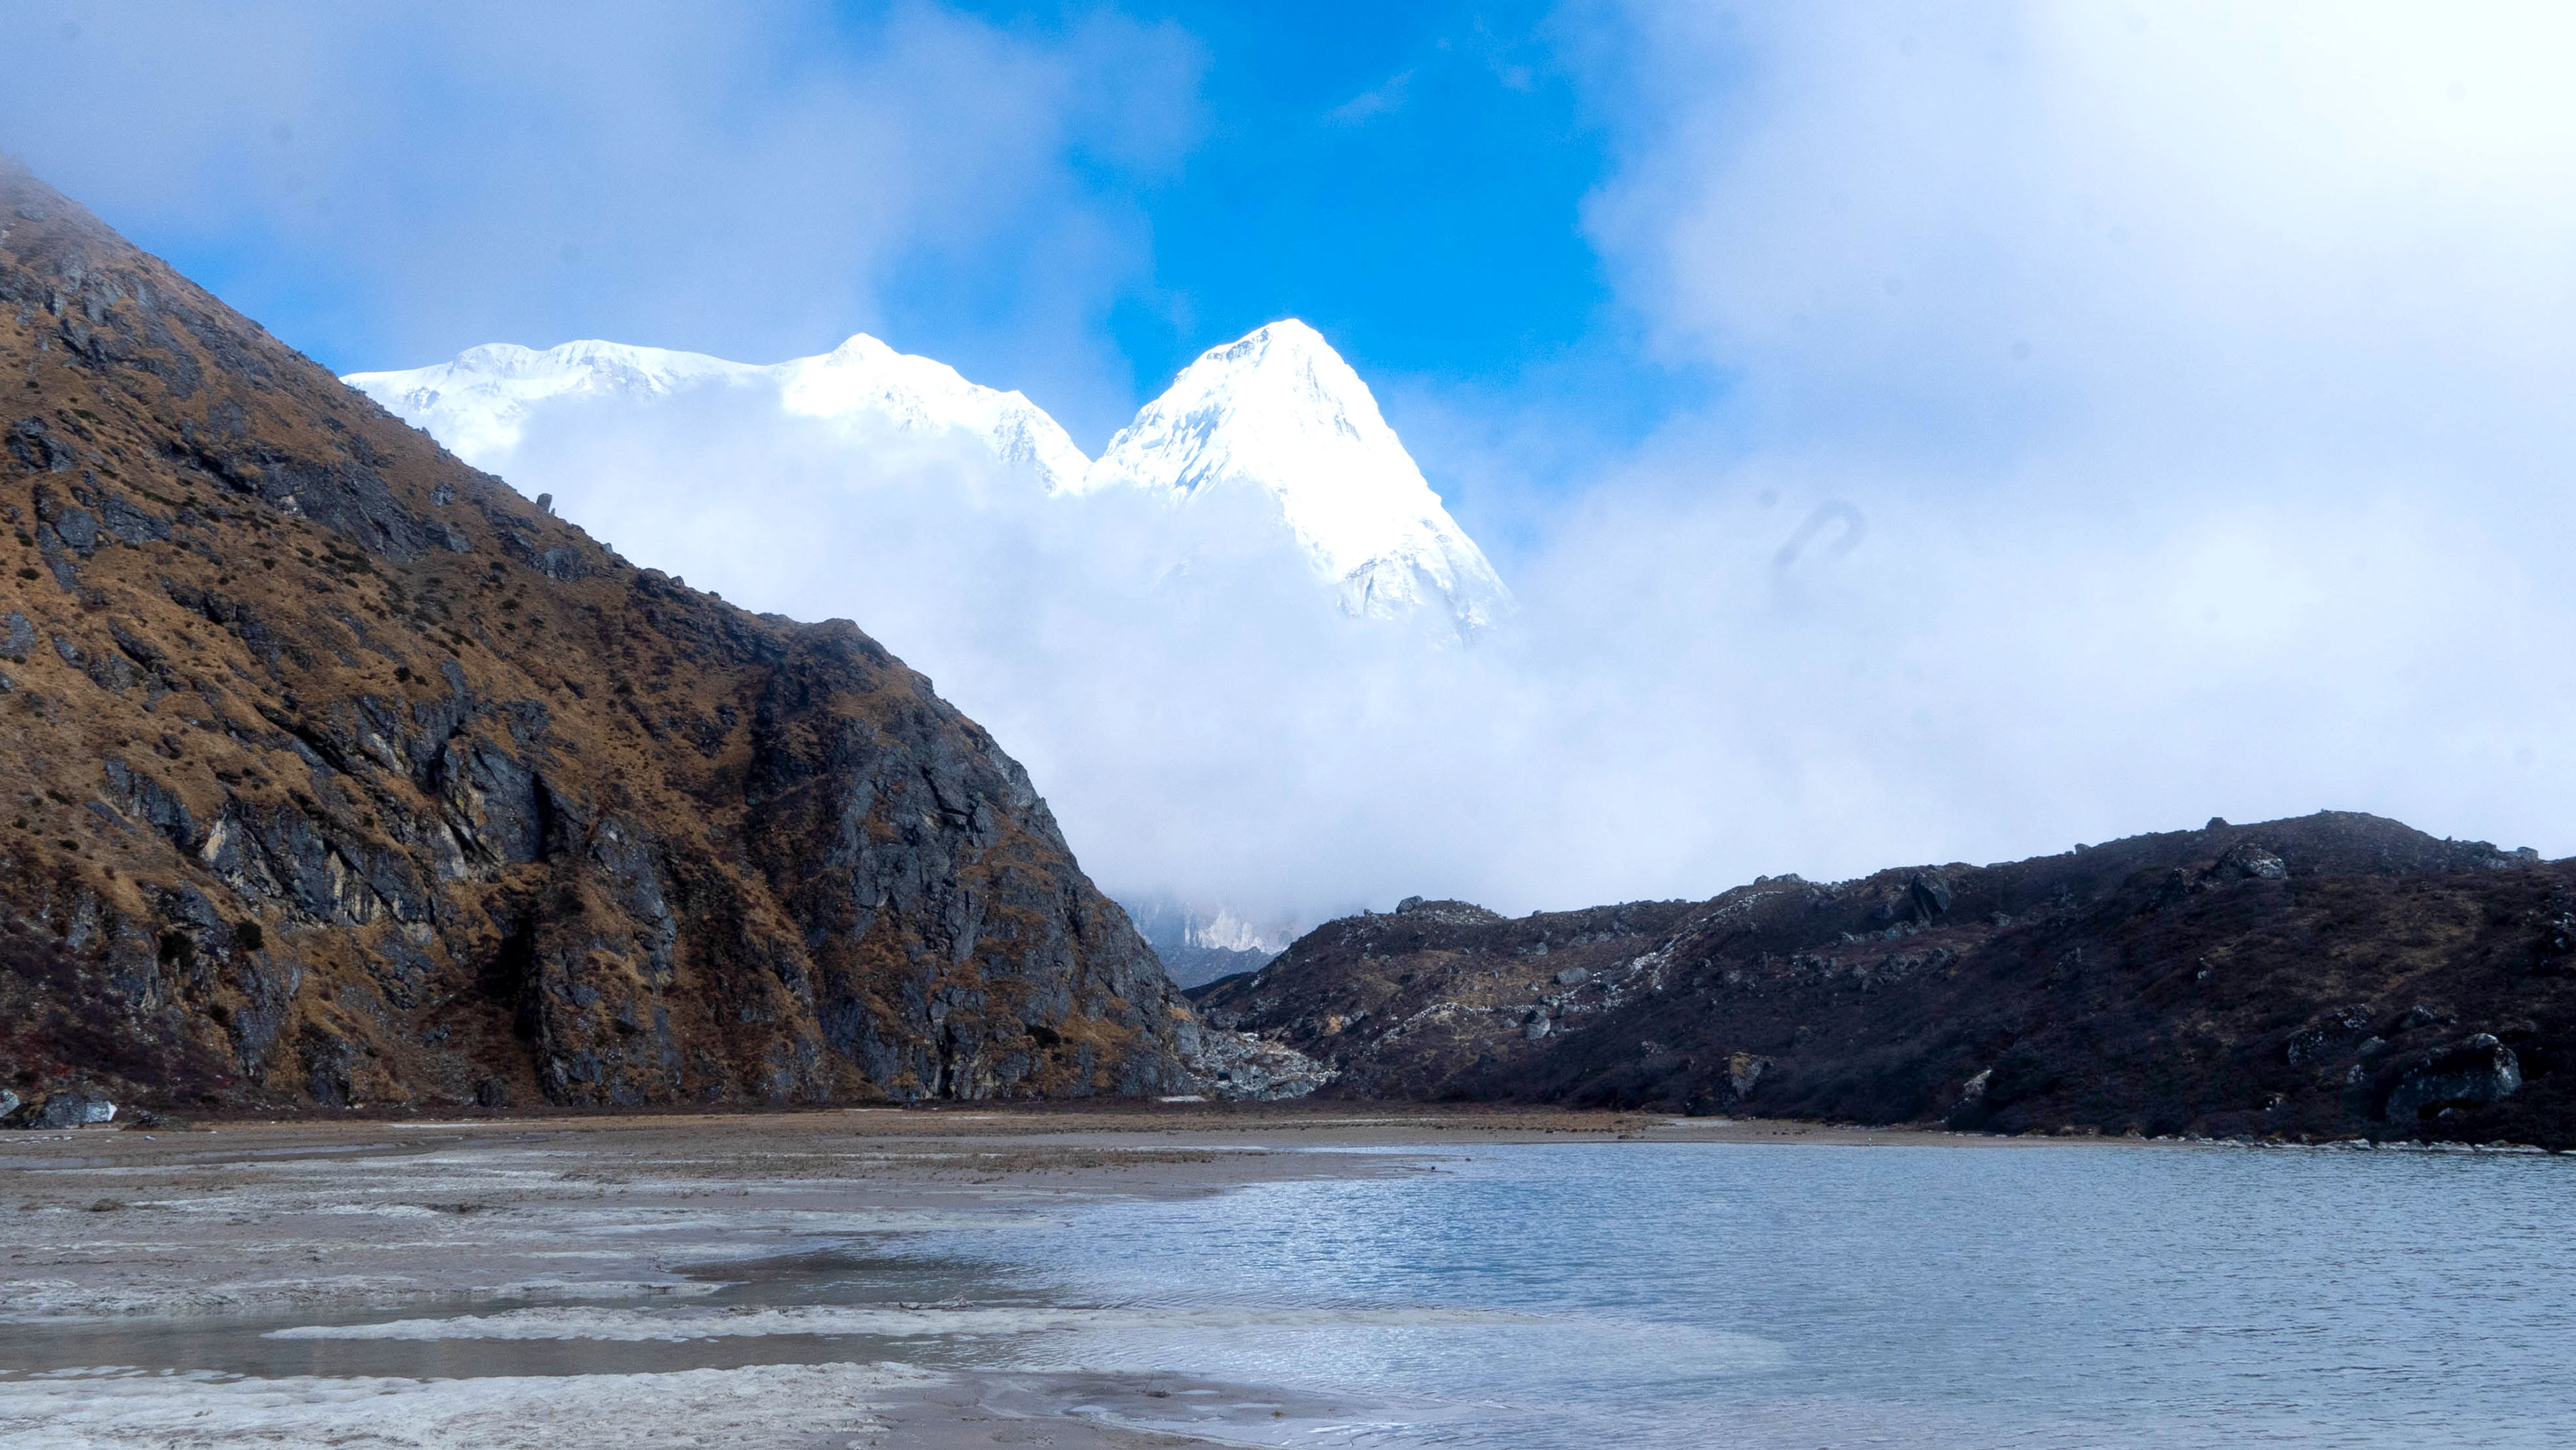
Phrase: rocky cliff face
{"type": "Point", "coordinates": [2331, 975]}
{"type": "Point", "coordinates": [339, 773]}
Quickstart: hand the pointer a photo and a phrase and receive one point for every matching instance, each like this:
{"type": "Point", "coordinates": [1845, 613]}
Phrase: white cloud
{"type": "Point", "coordinates": [2173, 412]}
{"type": "Point", "coordinates": [2312, 221]}
{"type": "Point", "coordinates": [2152, 445]}
{"type": "Point", "coordinates": [1384, 98]}
{"type": "Point", "coordinates": [753, 180]}
{"type": "Point", "coordinates": [2200, 374]}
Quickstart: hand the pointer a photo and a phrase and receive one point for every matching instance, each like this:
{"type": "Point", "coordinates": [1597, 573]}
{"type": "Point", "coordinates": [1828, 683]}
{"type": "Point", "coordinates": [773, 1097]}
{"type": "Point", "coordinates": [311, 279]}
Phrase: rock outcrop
{"type": "Point", "coordinates": [2328, 976]}
{"type": "Point", "coordinates": [71, 1108]}
{"type": "Point", "coordinates": [341, 774]}
{"type": "Point", "coordinates": [1440, 998]}
{"type": "Point", "coordinates": [1244, 1067]}
{"type": "Point", "coordinates": [2467, 1074]}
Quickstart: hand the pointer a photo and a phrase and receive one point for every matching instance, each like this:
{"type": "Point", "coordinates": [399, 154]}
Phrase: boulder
{"type": "Point", "coordinates": [2246, 860]}
{"type": "Point", "coordinates": [1239, 1066]}
{"type": "Point", "coordinates": [1730, 1086]}
{"type": "Point", "coordinates": [2468, 1073]}
{"type": "Point", "coordinates": [70, 1109]}
{"type": "Point", "coordinates": [1743, 1071]}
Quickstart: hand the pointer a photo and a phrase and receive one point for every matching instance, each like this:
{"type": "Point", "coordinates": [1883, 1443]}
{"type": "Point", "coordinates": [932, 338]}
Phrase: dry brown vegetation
{"type": "Point", "coordinates": [342, 774]}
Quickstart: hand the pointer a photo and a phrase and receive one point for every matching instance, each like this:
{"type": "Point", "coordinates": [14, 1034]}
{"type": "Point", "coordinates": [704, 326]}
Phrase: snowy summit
{"type": "Point", "coordinates": [1276, 419]}
{"type": "Point", "coordinates": [479, 405]}
{"type": "Point", "coordinates": [1280, 413]}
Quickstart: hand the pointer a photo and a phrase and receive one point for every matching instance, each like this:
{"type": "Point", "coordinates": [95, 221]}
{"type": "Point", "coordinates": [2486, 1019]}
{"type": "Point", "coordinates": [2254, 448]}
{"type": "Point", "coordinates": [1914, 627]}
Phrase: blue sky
{"type": "Point", "coordinates": [1410, 180]}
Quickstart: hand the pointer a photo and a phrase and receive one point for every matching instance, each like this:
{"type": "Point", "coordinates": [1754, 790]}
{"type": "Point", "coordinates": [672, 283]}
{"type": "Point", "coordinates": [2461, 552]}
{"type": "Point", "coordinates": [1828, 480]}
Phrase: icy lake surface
{"type": "Point", "coordinates": [1696, 1295]}
{"type": "Point", "coordinates": [1649, 1295]}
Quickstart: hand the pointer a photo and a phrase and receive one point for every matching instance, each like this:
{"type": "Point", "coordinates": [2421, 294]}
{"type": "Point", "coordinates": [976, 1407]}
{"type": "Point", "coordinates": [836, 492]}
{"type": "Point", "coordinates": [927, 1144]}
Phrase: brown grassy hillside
{"type": "Point", "coordinates": [339, 772]}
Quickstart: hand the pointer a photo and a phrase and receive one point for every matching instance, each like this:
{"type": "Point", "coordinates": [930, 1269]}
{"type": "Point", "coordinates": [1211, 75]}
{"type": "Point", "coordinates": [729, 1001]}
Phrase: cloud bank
{"type": "Point", "coordinates": [2197, 370]}
{"type": "Point", "coordinates": [2127, 416]}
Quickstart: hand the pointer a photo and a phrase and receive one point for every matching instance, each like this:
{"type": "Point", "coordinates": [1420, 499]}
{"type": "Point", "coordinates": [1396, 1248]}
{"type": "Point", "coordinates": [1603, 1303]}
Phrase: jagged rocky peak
{"type": "Point", "coordinates": [480, 404]}
{"type": "Point", "coordinates": [1199, 942]}
{"type": "Point", "coordinates": [1279, 415]}
{"type": "Point", "coordinates": [343, 775]}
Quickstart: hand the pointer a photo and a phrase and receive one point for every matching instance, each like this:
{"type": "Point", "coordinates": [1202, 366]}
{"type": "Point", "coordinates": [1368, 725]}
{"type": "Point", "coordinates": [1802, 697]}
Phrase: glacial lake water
{"type": "Point", "coordinates": [1704, 1295]}
{"type": "Point", "coordinates": [1652, 1295]}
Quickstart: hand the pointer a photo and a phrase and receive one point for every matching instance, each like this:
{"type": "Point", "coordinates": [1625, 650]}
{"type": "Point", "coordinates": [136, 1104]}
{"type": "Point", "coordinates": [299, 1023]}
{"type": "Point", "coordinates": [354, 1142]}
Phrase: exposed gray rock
{"type": "Point", "coordinates": [2246, 860]}
{"type": "Point", "coordinates": [76, 527]}
{"type": "Point", "coordinates": [1573, 977]}
{"type": "Point", "coordinates": [2476, 1070]}
{"type": "Point", "coordinates": [1732, 1085]}
{"type": "Point", "coordinates": [2328, 1035]}
{"type": "Point", "coordinates": [1744, 1071]}
{"type": "Point", "coordinates": [69, 1109]}
{"type": "Point", "coordinates": [34, 447]}
{"type": "Point", "coordinates": [1241, 1066]}
{"type": "Point", "coordinates": [17, 637]}
{"type": "Point", "coordinates": [130, 523]}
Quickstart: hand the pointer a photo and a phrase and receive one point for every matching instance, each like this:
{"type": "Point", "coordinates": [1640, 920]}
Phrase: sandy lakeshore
{"type": "Point", "coordinates": [514, 1236]}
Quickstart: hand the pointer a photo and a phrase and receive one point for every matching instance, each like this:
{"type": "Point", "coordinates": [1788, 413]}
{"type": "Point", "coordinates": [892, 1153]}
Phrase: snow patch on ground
{"type": "Point", "coordinates": [637, 1326]}
{"type": "Point", "coordinates": [761, 1405]}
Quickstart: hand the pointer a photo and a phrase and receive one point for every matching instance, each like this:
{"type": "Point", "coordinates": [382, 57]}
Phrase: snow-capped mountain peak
{"type": "Point", "coordinates": [864, 375]}
{"type": "Point", "coordinates": [1275, 420]}
{"type": "Point", "coordinates": [480, 403]}
{"type": "Point", "coordinates": [1279, 413]}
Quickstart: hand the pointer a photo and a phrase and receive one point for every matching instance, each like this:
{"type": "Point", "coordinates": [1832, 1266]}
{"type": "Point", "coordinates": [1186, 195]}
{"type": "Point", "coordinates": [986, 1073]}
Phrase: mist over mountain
{"type": "Point", "coordinates": [1257, 544]}
{"type": "Point", "coordinates": [1270, 435]}
{"type": "Point", "coordinates": [480, 404]}
{"type": "Point", "coordinates": [1200, 943]}
{"type": "Point", "coordinates": [1991, 430]}
{"type": "Point", "coordinates": [1279, 418]}
{"type": "Point", "coordinates": [2104, 454]}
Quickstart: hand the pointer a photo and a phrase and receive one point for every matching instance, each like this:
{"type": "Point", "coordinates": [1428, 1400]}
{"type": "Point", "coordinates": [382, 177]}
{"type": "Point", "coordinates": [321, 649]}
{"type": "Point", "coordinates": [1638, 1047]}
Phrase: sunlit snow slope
{"type": "Point", "coordinates": [481, 403]}
{"type": "Point", "coordinates": [1281, 414]}
{"type": "Point", "coordinates": [1276, 419]}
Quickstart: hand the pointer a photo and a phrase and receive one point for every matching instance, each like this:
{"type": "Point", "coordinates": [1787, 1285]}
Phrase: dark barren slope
{"type": "Point", "coordinates": [2328, 976]}
{"type": "Point", "coordinates": [338, 773]}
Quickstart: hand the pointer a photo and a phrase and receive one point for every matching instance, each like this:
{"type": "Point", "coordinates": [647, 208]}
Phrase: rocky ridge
{"type": "Point", "coordinates": [2323, 977]}
{"type": "Point", "coordinates": [342, 774]}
